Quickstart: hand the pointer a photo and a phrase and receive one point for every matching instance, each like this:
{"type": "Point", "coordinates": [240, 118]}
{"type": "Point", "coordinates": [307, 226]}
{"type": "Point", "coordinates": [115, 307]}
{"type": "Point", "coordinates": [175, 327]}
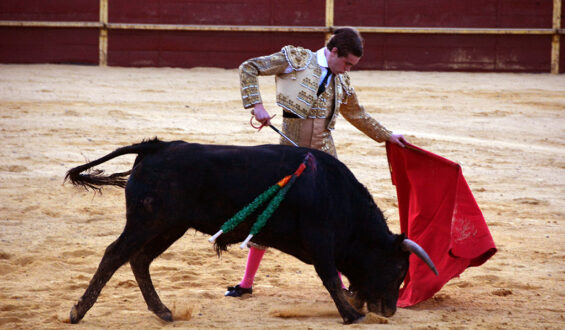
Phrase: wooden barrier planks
{"type": "Point", "coordinates": [444, 52]}
{"type": "Point", "coordinates": [50, 10]}
{"type": "Point", "coordinates": [445, 13]}
{"type": "Point", "coordinates": [484, 35]}
{"type": "Point", "coordinates": [49, 45]}
{"type": "Point", "coordinates": [193, 48]}
{"type": "Point", "coordinates": [218, 12]}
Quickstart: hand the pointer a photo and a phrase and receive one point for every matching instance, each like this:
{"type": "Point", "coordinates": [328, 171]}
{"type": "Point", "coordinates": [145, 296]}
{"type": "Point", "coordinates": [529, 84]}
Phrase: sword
{"type": "Point", "coordinates": [284, 136]}
{"type": "Point", "coordinates": [274, 129]}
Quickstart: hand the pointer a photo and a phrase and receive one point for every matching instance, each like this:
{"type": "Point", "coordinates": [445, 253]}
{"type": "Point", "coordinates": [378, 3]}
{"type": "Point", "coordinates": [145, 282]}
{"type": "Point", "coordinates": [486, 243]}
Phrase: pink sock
{"type": "Point", "coordinates": [253, 260]}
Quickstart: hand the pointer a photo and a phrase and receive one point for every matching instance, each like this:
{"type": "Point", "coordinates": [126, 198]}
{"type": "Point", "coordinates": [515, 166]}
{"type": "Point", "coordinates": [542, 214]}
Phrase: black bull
{"type": "Point", "coordinates": [327, 219]}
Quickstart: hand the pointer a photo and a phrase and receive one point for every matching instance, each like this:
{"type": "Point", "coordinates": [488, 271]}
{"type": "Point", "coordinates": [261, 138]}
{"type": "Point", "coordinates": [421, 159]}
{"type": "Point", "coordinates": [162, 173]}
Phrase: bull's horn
{"type": "Point", "coordinates": [409, 245]}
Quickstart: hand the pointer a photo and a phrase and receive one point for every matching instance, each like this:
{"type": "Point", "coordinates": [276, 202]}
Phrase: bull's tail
{"type": "Point", "coordinates": [94, 179]}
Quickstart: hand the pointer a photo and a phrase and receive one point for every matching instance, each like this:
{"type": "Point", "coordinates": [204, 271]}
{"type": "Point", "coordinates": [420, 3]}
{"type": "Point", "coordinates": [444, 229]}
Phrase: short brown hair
{"type": "Point", "coordinates": [347, 40]}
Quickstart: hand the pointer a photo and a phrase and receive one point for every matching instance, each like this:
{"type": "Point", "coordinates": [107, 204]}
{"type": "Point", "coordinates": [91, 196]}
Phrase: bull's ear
{"type": "Point", "coordinates": [398, 239]}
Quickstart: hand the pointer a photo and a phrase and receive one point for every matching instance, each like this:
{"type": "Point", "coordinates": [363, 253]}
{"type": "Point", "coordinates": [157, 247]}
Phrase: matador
{"type": "Point", "coordinates": [313, 89]}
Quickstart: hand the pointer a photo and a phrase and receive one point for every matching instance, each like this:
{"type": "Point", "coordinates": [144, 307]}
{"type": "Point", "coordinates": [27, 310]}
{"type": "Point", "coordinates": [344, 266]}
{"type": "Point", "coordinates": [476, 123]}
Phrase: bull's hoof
{"type": "Point", "coordinates": [359, 320]}
{"type": "Point", "coordinates": [353, 318]}
{"type": "Point", "coordinates": [74, 318]}
{"type": "Point", "coordinates": [165, 315]}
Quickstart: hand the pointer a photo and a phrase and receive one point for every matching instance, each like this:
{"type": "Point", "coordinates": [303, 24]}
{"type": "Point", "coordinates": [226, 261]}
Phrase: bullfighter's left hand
{"type": "Point", "coordinates": [398, 139]}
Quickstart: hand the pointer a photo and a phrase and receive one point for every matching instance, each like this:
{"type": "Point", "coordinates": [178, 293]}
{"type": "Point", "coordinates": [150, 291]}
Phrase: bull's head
{"type": "Point", "coordinates": [381, 294]}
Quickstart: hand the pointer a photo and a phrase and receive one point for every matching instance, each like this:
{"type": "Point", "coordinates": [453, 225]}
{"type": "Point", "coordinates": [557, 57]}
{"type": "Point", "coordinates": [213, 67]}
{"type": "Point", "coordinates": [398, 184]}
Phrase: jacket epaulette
{"type": "Point", "coordinates": [298, 58]}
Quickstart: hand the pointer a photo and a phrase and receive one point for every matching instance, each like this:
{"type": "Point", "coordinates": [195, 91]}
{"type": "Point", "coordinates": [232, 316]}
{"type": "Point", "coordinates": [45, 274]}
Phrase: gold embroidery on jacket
{"type": "Point", "coordinates": [310, 133]}
{"type": "Point", "coordinates": [251, 69]}
{"type": "Point", "coordinates": [296, 91]}
{"type": "Point", "coordinates": [309, 84]}
{"type": "Point", "coordinates": [297, 57]}
{"type": "Point", "coordinates": [306, 97]}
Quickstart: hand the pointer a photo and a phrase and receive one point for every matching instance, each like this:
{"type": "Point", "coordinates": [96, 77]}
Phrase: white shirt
{"type": "Point", "coordinates": [323, 63]}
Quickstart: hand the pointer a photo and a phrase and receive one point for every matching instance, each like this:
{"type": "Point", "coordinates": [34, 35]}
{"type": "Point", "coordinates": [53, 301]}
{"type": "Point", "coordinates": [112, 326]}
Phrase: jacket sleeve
{"type": "Point", "coordinates": [250, 70]}
{"type": "Point", "coordinates": [356, 115]}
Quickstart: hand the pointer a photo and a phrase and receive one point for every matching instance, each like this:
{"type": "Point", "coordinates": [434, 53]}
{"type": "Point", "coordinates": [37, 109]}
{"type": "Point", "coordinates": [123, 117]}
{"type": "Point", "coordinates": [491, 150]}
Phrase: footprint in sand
{"type": "Point", "coordinates": [183, 278]}
{"type": "Point", "coordinates": [51, 213]}
{"type": "Point", "coordinates": [464, 284]}
{"type": "Point", "coordinates": [502, 292]}
{"type": "Point", "coordinates": [9, 320]}
{"type": "Point", "coordinates": [72, 113]}
{"type": "Point", "coordinates": [77, 253]}
{"type": "Point", "coordinates": [24, 261]}
{"type": "Point", "coordinates": [9, 308]}
{"type": "Point", "coordinates": [6, 268]}
{"type": "Point", "coordinates": [127, 284]}
{"type": "Point", "coordinates": [118, 114]}
{"type": "Point", "coordinates": [530, 201]}
{"type": "Point", "coordinates": [79, 285]}
{"type": "Point", "coordinates": [13, 168]}
{"type": "Point", "coordinates": [487, 278]}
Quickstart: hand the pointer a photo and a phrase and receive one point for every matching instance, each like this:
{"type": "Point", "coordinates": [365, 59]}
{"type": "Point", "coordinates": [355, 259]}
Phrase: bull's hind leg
{"type": "Point", "coordinates": [140, 263]}
{"type": "Point", "coordinates": [116, 254]}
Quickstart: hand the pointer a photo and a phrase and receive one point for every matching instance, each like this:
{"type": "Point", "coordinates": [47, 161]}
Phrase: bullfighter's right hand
{"type": "Point", "coordinates": [261, 115]}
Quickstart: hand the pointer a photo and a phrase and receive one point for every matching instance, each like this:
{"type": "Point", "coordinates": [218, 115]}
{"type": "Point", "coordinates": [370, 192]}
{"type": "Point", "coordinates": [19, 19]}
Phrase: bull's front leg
{"type": "Point", "coordinates": [332, 283]}
{"type": "Point", "coordinates": [356, 301]}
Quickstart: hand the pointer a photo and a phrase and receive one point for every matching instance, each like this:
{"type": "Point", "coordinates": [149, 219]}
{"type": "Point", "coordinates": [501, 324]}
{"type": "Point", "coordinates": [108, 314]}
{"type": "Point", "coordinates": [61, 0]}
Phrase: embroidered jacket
{"type": "Point", "coordinates": [297, 76]}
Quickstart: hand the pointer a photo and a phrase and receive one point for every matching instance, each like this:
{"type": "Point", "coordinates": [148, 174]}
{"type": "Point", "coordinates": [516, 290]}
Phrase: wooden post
{"type": "Point", "coordinates": [555, 40]}
{"type": "Point", "coordinates": [329, 18]}
{"type": "Point", "coordinates": [103, 39]}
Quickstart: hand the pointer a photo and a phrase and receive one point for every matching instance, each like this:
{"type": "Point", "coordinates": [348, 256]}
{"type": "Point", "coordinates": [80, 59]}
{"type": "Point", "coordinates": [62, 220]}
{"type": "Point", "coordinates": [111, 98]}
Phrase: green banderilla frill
{"type": "Point", "coordinates": [273, 205]}
{"type": "Point", "coordinates": [250, 208]}
{"type": "Point", "coordinates": [280, 189]}
{"type": "Point", "coordinates": [263, 217]}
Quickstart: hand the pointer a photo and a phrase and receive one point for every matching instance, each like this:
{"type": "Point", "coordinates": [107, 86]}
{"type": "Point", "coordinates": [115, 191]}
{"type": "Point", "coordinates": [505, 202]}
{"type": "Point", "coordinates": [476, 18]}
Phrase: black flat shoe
{"type": "Point", "coordinates": [237, 291]}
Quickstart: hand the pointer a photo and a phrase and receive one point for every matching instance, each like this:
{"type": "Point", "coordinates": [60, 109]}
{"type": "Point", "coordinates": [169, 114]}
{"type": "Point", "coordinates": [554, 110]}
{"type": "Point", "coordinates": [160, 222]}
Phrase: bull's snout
{"type": "Point", "coordinates": [381, 308]}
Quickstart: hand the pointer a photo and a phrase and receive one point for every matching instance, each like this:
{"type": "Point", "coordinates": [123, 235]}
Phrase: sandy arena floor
{"type": "Point", "coordinates": [507, 131]}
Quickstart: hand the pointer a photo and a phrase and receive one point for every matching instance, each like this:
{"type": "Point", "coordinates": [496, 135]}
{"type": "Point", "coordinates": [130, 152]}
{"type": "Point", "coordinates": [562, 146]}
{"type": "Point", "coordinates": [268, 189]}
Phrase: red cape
{"type": "Point", "coordinates": [437, 211]}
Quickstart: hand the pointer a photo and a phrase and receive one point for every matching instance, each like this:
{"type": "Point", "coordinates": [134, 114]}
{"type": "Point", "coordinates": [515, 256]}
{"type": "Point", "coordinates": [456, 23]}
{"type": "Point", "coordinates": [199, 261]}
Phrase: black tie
{"type": "Point", "coordinates": [322, 87]}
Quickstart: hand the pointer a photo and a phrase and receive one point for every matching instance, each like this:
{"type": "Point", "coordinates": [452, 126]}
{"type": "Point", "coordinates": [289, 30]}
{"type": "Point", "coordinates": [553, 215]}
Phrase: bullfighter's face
{"type": "Point", "coordinates": [341, 64]}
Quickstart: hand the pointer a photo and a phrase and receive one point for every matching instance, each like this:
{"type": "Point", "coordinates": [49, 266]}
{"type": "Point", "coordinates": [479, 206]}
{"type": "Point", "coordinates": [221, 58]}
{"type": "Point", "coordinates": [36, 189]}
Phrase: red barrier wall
{"type": "Point", "coordinates": [190, 49]}
{"type": "Point", "coordinates": [388, 51]}
{"type": "Point", "coordinates": [220, 12]}
{"type": "Point", "coordinates": [49, 45]}
{"type": "Point", "coordinates": [429, 52]}
{"type": "Point", "coordinates": [462, 52]}
{"type": "Point", "coordinates": [446, 13]}
{"type": "Point", "coordinates": [208, 48]}
{"type": "Point", "coordinates": [50, 10]}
